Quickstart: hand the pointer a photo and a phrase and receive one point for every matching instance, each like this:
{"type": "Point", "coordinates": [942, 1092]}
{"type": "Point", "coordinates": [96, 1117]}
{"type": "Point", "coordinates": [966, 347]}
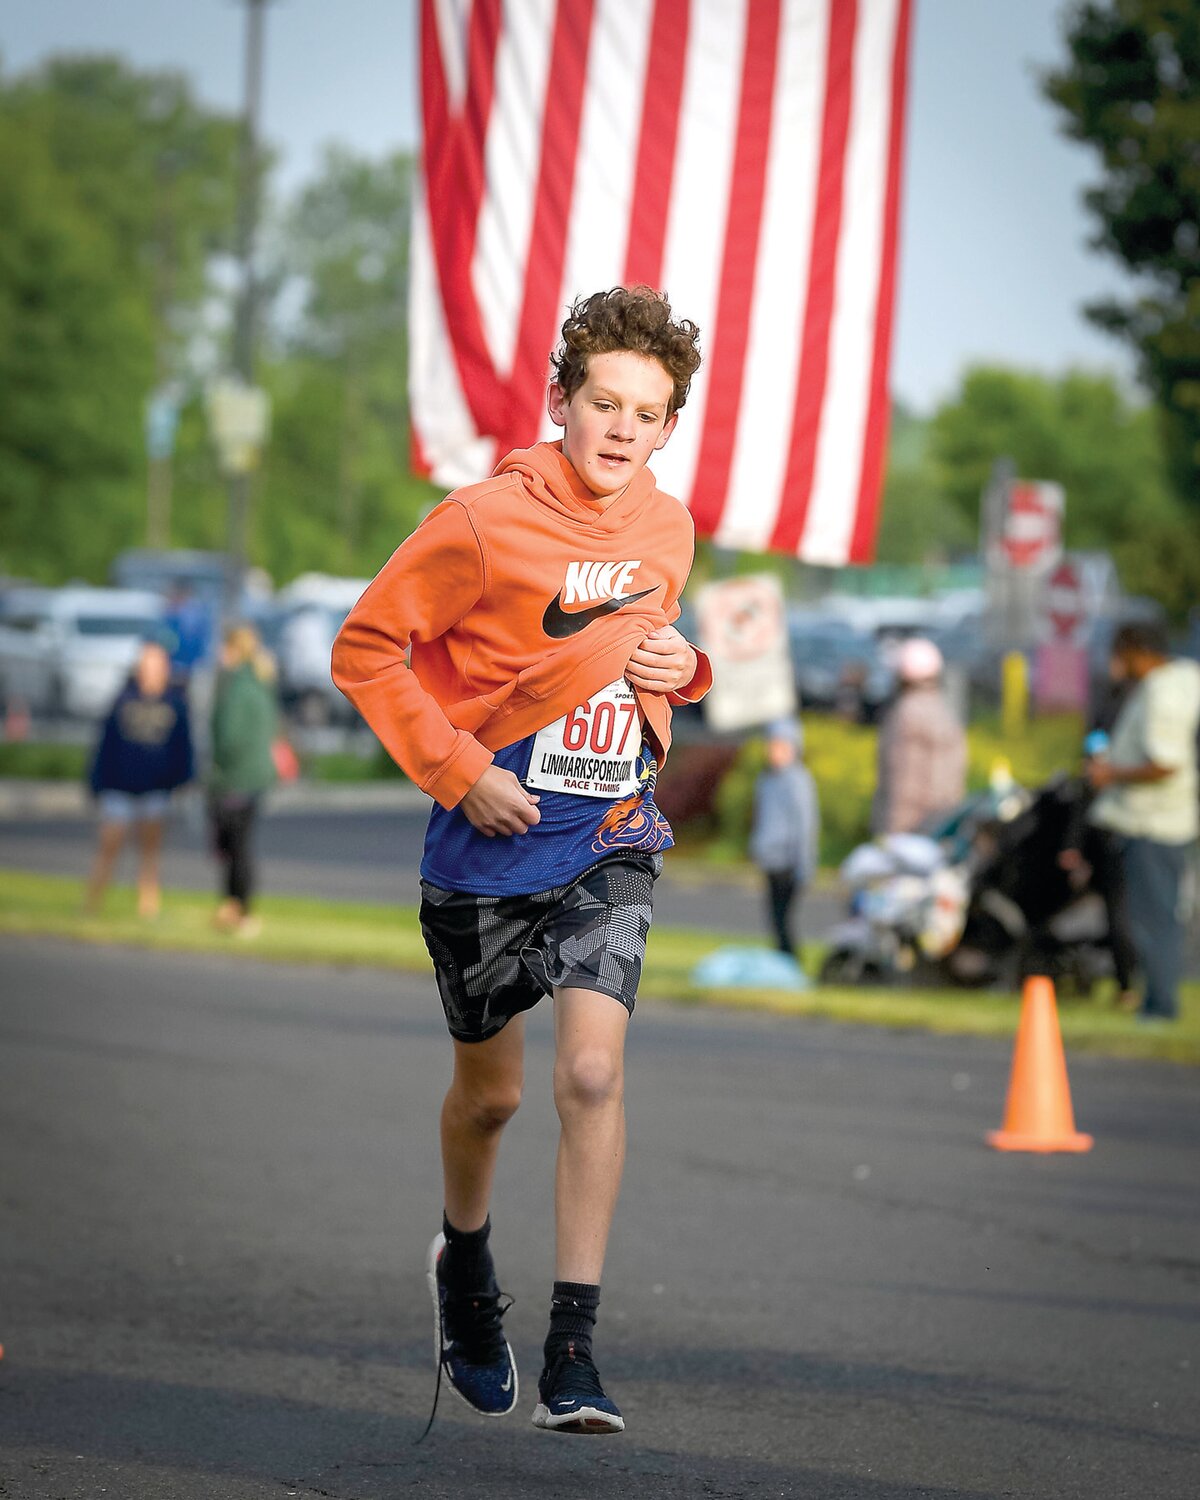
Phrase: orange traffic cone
{"type": "Point", "coordinates": [1038, 1115]}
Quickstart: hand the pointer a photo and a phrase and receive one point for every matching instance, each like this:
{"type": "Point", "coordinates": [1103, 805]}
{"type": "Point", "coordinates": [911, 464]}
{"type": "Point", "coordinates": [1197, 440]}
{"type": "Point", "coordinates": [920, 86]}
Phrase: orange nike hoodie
{"type": "Point", "coordinates": [513, 602]}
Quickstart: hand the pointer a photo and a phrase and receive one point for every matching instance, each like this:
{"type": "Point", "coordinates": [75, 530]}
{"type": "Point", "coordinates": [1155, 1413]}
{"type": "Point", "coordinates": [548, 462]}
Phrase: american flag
{"type": "Point", "coordinates": [742, 155]}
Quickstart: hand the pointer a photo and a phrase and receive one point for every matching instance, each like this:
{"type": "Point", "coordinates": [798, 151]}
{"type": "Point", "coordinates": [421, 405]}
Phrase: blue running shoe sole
{"type": "Point", "coordinates": [431, 1264]}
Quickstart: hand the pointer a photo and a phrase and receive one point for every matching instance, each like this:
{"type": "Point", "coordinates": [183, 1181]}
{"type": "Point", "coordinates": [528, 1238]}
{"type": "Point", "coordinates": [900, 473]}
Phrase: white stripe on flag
{"type": "Point", "coordinates": [452, 38]}
{"type": "Point", "coordinates": [699, 202]}
{"type": "Point", "coordinates": [781, 282]}
{"type": "Point", "coordinates": [606, 160]}
{"type": "Point", "coordinates": [830, 521]}
{"type": "Point", "coordinates": [438, 409]}
{"type": "Point", "coordinates": [511, 157]}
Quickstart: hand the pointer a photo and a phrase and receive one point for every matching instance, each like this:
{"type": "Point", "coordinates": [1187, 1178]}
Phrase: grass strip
{"type": "Point", "coordinates": [298, 929]}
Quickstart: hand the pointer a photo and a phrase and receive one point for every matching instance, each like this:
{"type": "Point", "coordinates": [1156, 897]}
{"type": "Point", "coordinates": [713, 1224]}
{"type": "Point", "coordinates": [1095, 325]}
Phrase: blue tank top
{"type": "Point", "coordinates": [574, 834]}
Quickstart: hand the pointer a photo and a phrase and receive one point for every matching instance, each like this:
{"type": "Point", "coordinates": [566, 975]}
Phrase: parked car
{"type": "Point", "coordinates": [838, 666]}
{"type": "Point", "coordinates": [305, 618]}
{"type": "Point", "coordinates": [68, 650]}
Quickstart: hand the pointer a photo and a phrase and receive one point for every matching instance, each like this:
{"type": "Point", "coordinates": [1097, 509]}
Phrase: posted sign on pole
{"type": "Point", "coordinates": [1032, 534]}
{"type": "Point", "coordinates": [1061, 663]}
{"type": "Point", "coordinates": [743, 628]}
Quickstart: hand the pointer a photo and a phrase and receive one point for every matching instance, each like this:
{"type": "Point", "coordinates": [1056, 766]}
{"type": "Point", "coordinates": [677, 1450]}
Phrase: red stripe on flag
{"type": "Point", "coordinates": [537, 328]}
{"type": "Point", "coordinates": [866, 515]}
{"type": "Point", "coordinates": [655, 170]}
{"type": "Point", "coordinates": [454, 186]}
{"type": "Point", "coordinates": [743, 222]}
{"type": "Point", "coordinates": [822, 275]}
{"type": "Point", "coordinates": [417, 461]}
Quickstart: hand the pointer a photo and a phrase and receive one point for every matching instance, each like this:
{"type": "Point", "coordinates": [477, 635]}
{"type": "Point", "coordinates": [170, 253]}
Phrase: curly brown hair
{"type": "Point", "coordinates": [636, 318]}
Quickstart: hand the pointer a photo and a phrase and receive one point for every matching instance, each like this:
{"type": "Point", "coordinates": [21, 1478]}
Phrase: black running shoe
{"type": "Point", "coordinates": [571, 1398]}
{"type": "Point", "coordinates": [469, 1343]}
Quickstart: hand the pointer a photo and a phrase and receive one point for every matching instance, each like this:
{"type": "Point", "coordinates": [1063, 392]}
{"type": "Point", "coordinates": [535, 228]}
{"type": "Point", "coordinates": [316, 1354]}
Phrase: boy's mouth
{"type": "Point", "coordinates": [614, 460]}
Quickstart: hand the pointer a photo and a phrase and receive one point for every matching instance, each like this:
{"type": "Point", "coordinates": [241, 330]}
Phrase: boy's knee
{"type": "Point", "coordinates": [587, 1079]}
{"type": "Point", "coordinates": [490, 1108]}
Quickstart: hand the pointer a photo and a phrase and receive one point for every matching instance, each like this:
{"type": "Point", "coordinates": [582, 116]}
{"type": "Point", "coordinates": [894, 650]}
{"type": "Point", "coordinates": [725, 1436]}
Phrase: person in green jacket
{"type": "Point", "coordinates": [245, 722]}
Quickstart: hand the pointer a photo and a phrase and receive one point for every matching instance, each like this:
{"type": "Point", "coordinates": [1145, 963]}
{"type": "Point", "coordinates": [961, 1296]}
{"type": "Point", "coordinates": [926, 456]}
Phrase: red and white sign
{"type": "Point", "coordinates": [1032, 535]}
{"type": "Point", "coordinates": [1065, 603]}
{"type": "Point", "coordinates": [743, 629]}
{"type": "Point", "coordinates": [744, 155]}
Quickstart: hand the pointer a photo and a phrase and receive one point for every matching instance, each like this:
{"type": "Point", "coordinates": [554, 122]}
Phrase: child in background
{"type": "Point", "coordinates": [786, 829]}
{"type": "Point", "coordinates": [144, 753]}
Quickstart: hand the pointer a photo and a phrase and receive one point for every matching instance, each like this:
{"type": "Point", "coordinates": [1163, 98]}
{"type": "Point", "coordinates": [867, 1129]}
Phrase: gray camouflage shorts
{"type": "Point", "coordinates": [496, 956]}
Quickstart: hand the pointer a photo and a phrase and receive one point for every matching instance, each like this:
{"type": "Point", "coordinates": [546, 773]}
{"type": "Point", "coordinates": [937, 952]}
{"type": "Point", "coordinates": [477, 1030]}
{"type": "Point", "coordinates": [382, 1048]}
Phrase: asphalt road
{"type": "Point", "coordinates": [370, 855]}
{"type": "Point", "coordinates": [218, 1181]}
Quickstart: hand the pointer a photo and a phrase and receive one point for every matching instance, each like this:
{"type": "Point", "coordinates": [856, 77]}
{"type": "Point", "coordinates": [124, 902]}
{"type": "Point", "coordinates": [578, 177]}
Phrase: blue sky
{"type": "Point", "coordinates": [994, 258]}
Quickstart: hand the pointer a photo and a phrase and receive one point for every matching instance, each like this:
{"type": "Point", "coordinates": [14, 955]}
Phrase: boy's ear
{"type": "Point", "coordinates": [668, 429]}
{"type": "Point", "coordinates": [556, 404]}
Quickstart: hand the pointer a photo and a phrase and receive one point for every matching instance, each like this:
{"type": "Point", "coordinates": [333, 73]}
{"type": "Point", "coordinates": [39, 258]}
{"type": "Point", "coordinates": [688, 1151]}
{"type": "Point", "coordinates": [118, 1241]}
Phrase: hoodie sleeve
{"type": "Point", "coordinates": [428, 585]}
{"type": "Point", "coordinates": [702, 678]}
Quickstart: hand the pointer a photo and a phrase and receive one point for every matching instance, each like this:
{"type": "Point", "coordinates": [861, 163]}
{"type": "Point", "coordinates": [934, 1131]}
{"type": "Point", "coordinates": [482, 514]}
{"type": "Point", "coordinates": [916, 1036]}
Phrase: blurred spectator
{"type": "Point", "coordinates": [244, 726]}
{"type": "Point", "coordinates": [1148, 789]}
{"type": "Point", "coordinates": [1092, 855]}
{"type": "Point", "coordinates": [785, 829]}
{"type": "Point", "coordinates": [922, 765]}
{"type": "Point", "coordinates": [190, 622]}
{"type": "Point", "coordinates": [144, 753]}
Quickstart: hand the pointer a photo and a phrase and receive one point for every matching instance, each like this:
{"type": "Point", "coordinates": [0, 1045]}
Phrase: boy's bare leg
{"type": "Point", "coordinates": [589, 1094]}
{"type": "Point", "coordinates": [149, 898]}
{"type": "Point", "coordinates": [112, 836]}
{"type": "Point", "coordinates": [482, 1098]}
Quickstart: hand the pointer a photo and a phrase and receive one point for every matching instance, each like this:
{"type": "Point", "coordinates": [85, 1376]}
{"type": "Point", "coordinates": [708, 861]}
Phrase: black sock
{"type": "Point", "coordinates": [572, 1318]}
{"type": "Point", "coordinates": [467, 1259]}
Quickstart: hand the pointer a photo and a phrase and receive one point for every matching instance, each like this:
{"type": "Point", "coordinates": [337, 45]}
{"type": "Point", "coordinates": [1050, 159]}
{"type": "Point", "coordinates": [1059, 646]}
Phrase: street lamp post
{"type": "Point", "coordinates": [244, 331]}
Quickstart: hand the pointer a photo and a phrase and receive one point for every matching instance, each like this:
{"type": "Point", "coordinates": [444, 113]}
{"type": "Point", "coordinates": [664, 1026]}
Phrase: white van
{"type": "Point", "coordinates": [68, 650]}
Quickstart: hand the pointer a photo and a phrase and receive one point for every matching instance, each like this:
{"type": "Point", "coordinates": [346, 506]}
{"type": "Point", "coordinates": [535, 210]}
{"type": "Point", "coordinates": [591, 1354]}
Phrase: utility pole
{"type": "Point", "coordinates": [245, 330]}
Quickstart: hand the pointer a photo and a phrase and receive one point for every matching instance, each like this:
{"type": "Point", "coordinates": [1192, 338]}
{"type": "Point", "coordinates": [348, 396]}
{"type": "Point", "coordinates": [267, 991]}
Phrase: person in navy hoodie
{"type": "Point", "coordinates": [143, 755]}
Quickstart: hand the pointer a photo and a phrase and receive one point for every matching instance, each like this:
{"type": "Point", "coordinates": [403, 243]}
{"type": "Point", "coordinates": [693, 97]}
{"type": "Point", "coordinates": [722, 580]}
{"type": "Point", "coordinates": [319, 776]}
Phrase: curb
{"type": "Point", "coordinates": [23, 800]}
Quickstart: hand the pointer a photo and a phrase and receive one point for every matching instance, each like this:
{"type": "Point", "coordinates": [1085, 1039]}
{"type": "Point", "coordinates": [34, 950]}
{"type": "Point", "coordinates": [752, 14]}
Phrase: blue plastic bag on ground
{"type": "Point", "coordinates": [750, 968]}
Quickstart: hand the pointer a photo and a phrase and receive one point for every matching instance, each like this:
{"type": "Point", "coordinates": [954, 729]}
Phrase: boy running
{"type": "Point", "coordinates": [536, 710]}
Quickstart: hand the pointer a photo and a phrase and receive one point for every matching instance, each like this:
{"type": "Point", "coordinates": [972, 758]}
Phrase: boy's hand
{"type": "Point", "coordinates": [498, 803]}
{"type": "Point", "coordinates": [663, 662]}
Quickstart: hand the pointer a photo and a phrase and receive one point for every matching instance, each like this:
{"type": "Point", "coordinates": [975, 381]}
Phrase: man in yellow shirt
{"type": "Point", "coordinates": [1148, 799]}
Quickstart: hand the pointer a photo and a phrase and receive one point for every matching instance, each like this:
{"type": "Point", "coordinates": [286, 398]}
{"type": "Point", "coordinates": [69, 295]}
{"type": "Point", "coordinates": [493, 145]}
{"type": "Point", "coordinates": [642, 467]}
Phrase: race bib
{"type": "Point", "coordinates": [593, 750]}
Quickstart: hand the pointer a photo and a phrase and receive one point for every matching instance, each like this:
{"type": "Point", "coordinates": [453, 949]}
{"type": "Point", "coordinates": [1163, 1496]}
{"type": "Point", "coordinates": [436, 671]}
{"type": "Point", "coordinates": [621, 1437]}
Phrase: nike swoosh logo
{"type": "Point", "coordinates": [507, 1386]}
{"type": "Point", "coordinates": [558, 625]}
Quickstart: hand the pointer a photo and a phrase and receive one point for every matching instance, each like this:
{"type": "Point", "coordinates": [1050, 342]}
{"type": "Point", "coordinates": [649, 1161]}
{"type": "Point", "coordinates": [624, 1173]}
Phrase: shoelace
{"type": "Point", "coordinates": [481, 1343]}
{"type": "Point", "coordinates": [572, 1374]}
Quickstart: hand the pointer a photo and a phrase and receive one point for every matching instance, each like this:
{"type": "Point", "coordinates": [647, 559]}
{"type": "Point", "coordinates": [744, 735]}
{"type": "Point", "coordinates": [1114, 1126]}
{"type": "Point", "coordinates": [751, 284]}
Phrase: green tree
{"type": "Point", "coordinates": [337, 493]}
{"type": "Point", "coordinates": [116, 190]}
{"type": "Point", "coordinates": [1131, 89]}
{"type": "Point", "coordinates": [76, 356]}
{"type": "Point", "coordinates": [149, 164]}
{"type": "Point", "coordinates": [1106, 451]}
{"type": "Point", "coordinates": [919, 522]}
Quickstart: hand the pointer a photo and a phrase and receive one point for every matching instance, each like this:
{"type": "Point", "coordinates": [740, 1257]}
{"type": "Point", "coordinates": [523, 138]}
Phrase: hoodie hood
{"type": "Point", "coordinates": [550, 478]}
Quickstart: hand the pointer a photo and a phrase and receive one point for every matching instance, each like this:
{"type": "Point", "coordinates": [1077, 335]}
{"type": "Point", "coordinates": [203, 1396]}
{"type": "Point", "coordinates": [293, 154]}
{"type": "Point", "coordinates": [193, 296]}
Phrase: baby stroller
{"type": "Point", "coordinates": [1026, 913]}
{"type": "Point", "coordinates": [979, 899]}
{"type": "Point", "coordinates": [909, 895]}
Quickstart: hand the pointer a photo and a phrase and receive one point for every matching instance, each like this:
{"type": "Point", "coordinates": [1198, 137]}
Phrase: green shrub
{"type": "Point", "coordinates": [841, 757]}
{"type": "Point", "coordinates": [42, 762]}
